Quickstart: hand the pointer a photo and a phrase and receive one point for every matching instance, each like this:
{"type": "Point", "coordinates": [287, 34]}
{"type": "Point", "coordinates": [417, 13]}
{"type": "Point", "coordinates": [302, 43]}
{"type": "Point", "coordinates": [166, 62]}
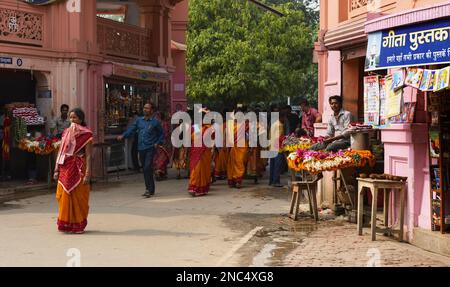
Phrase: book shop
{"type": "Point", "coordinates": [407, 96]}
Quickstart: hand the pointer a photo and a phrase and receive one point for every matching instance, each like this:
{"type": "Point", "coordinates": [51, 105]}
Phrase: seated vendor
{"type": "Point", "coordinates": [299, 133]}
{"type": "Point", "coordinates": [338, 134]}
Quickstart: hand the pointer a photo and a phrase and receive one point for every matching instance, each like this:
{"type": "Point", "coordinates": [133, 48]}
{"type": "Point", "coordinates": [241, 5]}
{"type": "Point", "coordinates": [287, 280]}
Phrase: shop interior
{"type": "Point", "coordinates": [124, 102]}
{"type": "Point", "coordinates": [25, 105]}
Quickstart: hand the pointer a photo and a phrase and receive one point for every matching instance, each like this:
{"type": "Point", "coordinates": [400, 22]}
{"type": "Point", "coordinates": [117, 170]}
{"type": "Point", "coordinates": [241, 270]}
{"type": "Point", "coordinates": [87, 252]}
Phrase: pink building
{"type": "Point", "coordinates": [341, 51]}
{"type": "Point", "coordinates": [179, 32]}
{"type": "Point", "coordinates": [56, 54]}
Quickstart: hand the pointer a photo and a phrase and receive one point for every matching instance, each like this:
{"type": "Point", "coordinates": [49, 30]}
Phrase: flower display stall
{"type": "Point", "coordinates": [320, 161]}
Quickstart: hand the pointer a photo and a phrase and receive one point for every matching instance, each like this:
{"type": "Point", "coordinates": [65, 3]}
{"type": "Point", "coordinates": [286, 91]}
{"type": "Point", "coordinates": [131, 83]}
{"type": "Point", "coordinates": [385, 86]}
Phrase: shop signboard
{"type": "Point", "coordinates": [415, 45]}
{"type": "Point", "coordinates": [6, 60]}
{"type": "Point", "coordinates": [40, 2]}
{"type": "Point", "coordinates": [132, 73]}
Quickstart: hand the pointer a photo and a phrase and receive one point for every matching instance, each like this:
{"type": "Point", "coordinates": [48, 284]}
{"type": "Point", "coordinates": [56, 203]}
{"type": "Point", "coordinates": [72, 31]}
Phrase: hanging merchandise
{"type": "Point", "coordinates": [383, 119]}
{"type": "Point", "coordinates": [372, 100]}
{"type": "Point", "coordinates": [393, 99]}
{"type": "Point", "coordinates": [414, 77]}
{"type": "Point", "coordinates": [29, 114]}
{"type": "Point", "coordinates": [6, 135]}
{"type": "Point", "coordinates": [428, 81]}
{"type": "Point", "coordinates": [20, 129]}
{"type": "Point", "coordinates": [398, 79]}
{"type": "Point", "coordinates": [442, 79]}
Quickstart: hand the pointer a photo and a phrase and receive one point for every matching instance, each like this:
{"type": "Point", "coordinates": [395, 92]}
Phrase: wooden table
{"type": "Point", "coordinates": [311, 188]}
{"type": "Point", "coordinates": [374, 185]}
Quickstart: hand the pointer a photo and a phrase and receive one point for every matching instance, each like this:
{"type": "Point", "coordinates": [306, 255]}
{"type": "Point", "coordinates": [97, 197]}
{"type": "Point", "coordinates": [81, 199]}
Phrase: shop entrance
{"type": "Point", "coordinates": [22, 96]}
{"type": "Point", "coordinates": [124, 102]}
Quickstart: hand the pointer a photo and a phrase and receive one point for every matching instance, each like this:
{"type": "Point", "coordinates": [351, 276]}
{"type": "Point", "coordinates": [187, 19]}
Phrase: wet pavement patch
{"type": "Point", "coordinates": [279, 236]}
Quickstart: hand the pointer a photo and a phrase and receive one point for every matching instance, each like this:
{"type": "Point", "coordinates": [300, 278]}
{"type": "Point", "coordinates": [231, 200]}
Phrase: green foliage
{"type": "Point", "coordinates": [239, 53]}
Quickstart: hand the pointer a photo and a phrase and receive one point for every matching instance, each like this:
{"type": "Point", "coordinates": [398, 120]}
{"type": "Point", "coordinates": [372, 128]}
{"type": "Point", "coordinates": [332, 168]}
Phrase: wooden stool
{"type": "Point", "coordinates": [297, 188]}
{"type": "Point", "coordinates": [374, 185]}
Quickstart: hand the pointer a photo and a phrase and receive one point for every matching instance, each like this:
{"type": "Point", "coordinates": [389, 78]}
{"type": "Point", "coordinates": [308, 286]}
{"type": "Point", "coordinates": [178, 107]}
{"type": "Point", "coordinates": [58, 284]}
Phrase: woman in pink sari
{"type": "Point", "coordinates": [73, 171]}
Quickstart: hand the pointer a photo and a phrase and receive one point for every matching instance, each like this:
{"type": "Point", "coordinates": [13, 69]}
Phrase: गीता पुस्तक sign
{"type": "Point", "coordinates": [415, 45]}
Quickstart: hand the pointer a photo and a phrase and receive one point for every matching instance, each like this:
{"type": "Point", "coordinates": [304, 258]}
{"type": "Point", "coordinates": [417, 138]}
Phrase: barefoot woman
{"type": "Point", "coordinates": [73, 170]}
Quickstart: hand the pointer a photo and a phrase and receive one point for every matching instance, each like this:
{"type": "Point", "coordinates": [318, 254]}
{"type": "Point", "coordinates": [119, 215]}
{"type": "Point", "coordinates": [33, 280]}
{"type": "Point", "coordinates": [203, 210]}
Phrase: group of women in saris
{"type": "Point", "coordinates": [231, 163]}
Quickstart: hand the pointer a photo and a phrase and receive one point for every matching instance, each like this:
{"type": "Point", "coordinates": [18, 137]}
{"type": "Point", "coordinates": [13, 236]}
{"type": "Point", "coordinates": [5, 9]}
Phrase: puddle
{"type": "Point", "coordinates": [263, 257]}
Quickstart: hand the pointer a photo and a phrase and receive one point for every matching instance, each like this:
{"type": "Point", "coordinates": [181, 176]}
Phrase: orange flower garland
{"type": "Point", "coordinates": [317, 162]}
{"type": "Point", "coordinates": [39, 147]}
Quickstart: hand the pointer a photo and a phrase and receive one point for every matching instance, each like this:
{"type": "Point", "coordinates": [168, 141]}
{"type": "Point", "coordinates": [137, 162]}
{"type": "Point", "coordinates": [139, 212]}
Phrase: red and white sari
{"type": "Point", "coordinates": [71, 193]}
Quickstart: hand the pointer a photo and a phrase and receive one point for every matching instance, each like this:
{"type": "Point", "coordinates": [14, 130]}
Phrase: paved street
{"type": "Point", "coordinates": [245, 227]}
{"type": "Point", "coordinates": [338, 245]}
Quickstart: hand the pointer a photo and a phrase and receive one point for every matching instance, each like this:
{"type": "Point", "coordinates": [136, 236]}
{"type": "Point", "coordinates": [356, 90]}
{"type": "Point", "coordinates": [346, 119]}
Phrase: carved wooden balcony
{"type": "Point", "coordinates": [121, 40]}
{"type": "Point", "coordinates": [360, 7]}
{"type": "Point", "coordinates": [21, 27]}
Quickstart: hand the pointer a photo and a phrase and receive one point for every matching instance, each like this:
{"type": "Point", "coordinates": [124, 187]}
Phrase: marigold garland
{"type": "Point", "coordinates": [292, 143]}
{"type": "Point", "coordinates": [320, 161]}
{"type": "Point", "coordinates": [41, 146]}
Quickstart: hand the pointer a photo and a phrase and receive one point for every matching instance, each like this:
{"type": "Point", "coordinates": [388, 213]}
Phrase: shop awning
{"type": "Point", "coordinates": [178, 46]}
{"type": "Point", "coordinates": [139, 72]}
{"type": "Point", "coordinates": [346, 35]}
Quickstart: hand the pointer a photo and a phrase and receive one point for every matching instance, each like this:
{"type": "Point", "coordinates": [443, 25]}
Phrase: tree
{"type": "Point", "coordinates": [238, 53]}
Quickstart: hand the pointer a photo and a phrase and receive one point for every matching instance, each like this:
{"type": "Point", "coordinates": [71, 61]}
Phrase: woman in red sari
{"type": "Point", "coordinates": [73, 171]}
{"type": "Point", "coordinates": [199, 165]}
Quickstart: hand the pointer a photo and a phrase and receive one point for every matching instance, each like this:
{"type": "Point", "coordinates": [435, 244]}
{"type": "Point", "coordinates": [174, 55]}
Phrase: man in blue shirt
{"type": "Point", "coordinates": [150, 136]}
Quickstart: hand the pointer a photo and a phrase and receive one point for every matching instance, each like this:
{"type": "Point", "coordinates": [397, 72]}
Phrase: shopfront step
{"type": "Point", "coordinates": [432, 241]}
{"type": "Point", "coordinates": [21, 191]}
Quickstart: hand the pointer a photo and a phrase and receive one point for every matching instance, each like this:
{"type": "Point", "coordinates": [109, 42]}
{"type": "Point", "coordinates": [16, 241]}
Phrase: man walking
{"type": "Point", "coordinates": [150, 136]}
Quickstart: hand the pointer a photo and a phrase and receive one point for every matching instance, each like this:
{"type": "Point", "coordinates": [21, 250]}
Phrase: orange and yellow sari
{"type": "Point", "coordinates": [72, 195]}
{"type": "Point", "coordinates": [200, 168]}
{"type": "Point", "coordinates": [221, 159]}
{"type": "Point", "coordinates": [221, 162]}
{"type": "Point", "coordinates": [237, 158]}
{"type": "Point", "coordinates": [255, 165]}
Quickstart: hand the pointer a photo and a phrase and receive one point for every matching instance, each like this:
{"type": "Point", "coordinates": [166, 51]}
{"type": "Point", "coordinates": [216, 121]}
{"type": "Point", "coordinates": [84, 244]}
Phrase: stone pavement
{"type": "Point", "coordinates": [336, 244]}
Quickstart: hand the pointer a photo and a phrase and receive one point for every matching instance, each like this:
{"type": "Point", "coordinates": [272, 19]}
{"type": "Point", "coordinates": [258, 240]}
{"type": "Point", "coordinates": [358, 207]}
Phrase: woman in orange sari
{"type": "Point", "coordinates": [221, 157]}
{"type": "Point", "coordinates": [199, 165]}
{"type": "Point", "coordinates": [220, 163]}
{"type": "Point", "coordinates": [72, 171]}
{"type": "Point", "coordinates": [237, 158]}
